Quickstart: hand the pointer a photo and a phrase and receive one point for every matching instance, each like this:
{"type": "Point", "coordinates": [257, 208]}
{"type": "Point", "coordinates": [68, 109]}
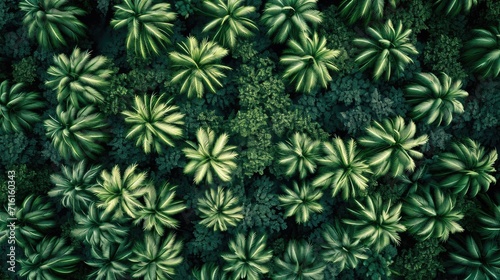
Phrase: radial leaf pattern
{"type": "Point", "coordinates": [299, 262]}
{"type": "Point", "coordinates": [219, 209]}
{"type": "Point", "coordinates": [299, 155]}
{"type": "Point", "coordinates": [482, 52]}
{"type": "Point", "coordinates": [301, 201]}
{"type": "Point", "coordinates": [355, 10]}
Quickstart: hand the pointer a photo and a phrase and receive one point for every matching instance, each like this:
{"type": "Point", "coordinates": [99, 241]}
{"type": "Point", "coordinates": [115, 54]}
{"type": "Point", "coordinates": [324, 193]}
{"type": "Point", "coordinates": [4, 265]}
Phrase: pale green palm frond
{"type": "Point", "coordinates": [219, 209]}
{"type": "Point", "coordinates": [111, 261]}
{"type": "Point", "coordinates": [454, 7]}
{"type": "Point", "coordinates": [301, 201]}
{"type": "Point", "coordinates": [366, 10]}
{"type": "Point", "coordinates": [482, 52]}
{"type": "Point", "coordinates": [209, 271]}
{"type": "Point", "coordinates": [299, 262]}
{"type": "Point", "coordinates": [299, 154]}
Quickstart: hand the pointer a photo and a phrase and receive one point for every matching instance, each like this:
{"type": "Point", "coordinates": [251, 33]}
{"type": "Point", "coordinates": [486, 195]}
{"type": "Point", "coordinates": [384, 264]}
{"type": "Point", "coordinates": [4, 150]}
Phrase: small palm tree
{"type": "Point", "coordinates": [154, 123]}
{"type": "Point", "coordinates": [435, 100]}
{"type": "Point", "coordinates": [341, 248]}
{"type": "Point", "coordinates": [387, 50]}
{"type": "Point", "coordinates": [52, 22]}
{"type": "Point", "coordinates": [391, 144]}
{"type": "Point", "coordinates": [79, 79]}
{"type": "Point", "coordinates": [230, 20]}
{"type": "Point", "coordinates": [489, 217]}
{"type": "Point", "coordinates": [112, 261]}
{"type": "Point", "coordinates": [301, 201]}
{"type": "Point", "coordinates": [17, 108]}
{"type": "Point", "coordinates": [482, 53]}
{"type": "Point", "coordinates": [73, 184]}
{"type": "Point", "coordinates": [467, 169]}
{"type": "Point", "coordinates": [287, 18]}
{"type": "Point", "coordinates": [249, 257]}
{"type": "Point", "coordinates": [149, 27]}
{"type": "Point", "coordinates": [209, 271]}
{"type": "Point", "coordinates": [431, 216]}
{"type": "Point", "coordinates": [156, 259]}
{"type": "Point", "coordinates": [299, 155]}
{"type": "Point", "coordinates": [376, 221]}
{"type": "Point", "coordinates": [308, 61]}
{"type": "Point", "coordinates": [219, 209]}
{"type": "Point", "coordinates": [50, 259]}
{"type": "Point", "coordinates": [354, 10]}
{"type": "Point", "coordinates": [76, 133]}
{"type": "Point", "coordinates": [300, 262]}
{"type": "Point", "coordinates": [474, 258]}
{"type": "Point", "coordinates": [210, 157]}
{"type": "Point", "coordinates": [343, 168]}
{"type": "Point", "coordinates": [119, 194]}
{"type": "Point", "coordinates": [454, 7]}
{"type": "Point", "coordinates": [159, 208]}
{"type": "Point", "coordinates": [199, 66]}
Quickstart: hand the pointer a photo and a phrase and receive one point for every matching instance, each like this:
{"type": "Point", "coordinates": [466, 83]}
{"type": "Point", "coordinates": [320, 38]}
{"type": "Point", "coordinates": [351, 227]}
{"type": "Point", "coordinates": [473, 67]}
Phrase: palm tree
{"type": "Point", "coordinates": [391, 144]}
{"type": "Point", "coordinates": [454, 7]}
{"type": "Point", "coordinates": [154, 123]}
{"type": "Point", "coordinates": [354, 10]}
{"type": "Point", "coordinates": [376, 221]}
{"type": "Point", "coordinates": [300, 262]}
{"type": "Point", "coordinates": [482, 52]}
{"type": "Point", "coordinates": [51, 22]}
{"type": "Point", "coordinates": [435, 100]}
{"type": "Point", "coordinates": [210, 157]}
{"type": "Point", "coordinates": [199, 66]}
{"type": "Point", "coordinates": [149, 27]}
{"type": "Point", "coordinates": [474, 258]}
{"type": "Point", "coordinates": [17, 108]}
{"type": "Point", "coordinates": [301, 201]}
{"type": "Point", "coordinates": [209, 271]}
{"type": "Point", "coordinates": [159, 208]}
{"type": "Point", "coordinates": [76, 133]}
{"type": "Point", "coordinates": [156, 259]}
{"type": "Point", "coordinates": [489, 217]}
{"type": "Point", "coordinates": [112, 261]}
{"type": "Point", "coordinates": [72, 185]}
{"type": "Point", "coordinates": [467, 169]}
{"type": "Point", "coordinates": [343, 168]}
{"type": "Point", "coordinates": [97, 228]}
{"type": "Point", "coordinates": [308, 61]}
{"type": "Point", "coordinates": [50, 259]}
{"type": "Point", "coordinates": [386, 51]}
{"type": "Point", "coordinates": [219, 209]}
{"type": "Point", "coordinates": [341, 248]}
{"type": "Point", "coordinates": [230, 20]}
{"type": "Point", "coordinates": [119, 194]}
{"type": "Point", "coordinates": [299, 155]}
{"type": "Point", "coordinates": [286, 18]}
{"type": "Point", "coordinates": [248, 258]}
{"type": "Point", "coordinates": [431, 215]}
{"type": "Point", "coordinates": [79, 79]}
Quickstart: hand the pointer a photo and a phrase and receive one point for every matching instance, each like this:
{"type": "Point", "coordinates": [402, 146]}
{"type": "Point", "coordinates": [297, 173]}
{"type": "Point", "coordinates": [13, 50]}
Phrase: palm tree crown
{"type": "Point", "coordinates": [386, 51]}
{"type": "Point", "coordinates": [199, 66]}
{"type": "Point", "coordinates": [154, 123]}
{"type": "Point", "coordinates": [219, 209]}
{"type": "Point", "coordinates": [489, 217]}
{"type": "Point", "coordinates": [209, 271]}
{"type": "Point", "coordinates": [51, 22]}
{"type": "Point", "coordinates": [301, 201]}
{"type": "Point", "coordinates": [308, 61]}
{"type": "Point", "coordinates": [299, 155]}
{"type": "Point", "coordinates": [482, 52]}
{"type": "Point", "coordinates": [149, 26]}
{"type": "Point", "coordinates": [300, 262]}
{"type": "Point", "coordinates": [354, 10]}
{"type": "Point", "coordinates": [17, 108]}
{"type": "Point", "coordinates": [111, 260]}
{"type": "Point", "coordinates": [210, 157]}
{"type": "Point", "coordinates": [453, 7]}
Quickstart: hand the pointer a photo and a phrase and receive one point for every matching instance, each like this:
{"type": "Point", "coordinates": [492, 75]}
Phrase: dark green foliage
{"type": "Point", "coordinates": [19, 149]}
{"type": "Point", "coordinates": [204, 243]}
{"type": "Point", "coordinates": [414, 13]}
{"type": "Point", "coordinates": [442, 54]}
{"type": "Point", "coordinates": [421, 261]}
{"type": "Point", "coordinates": [24, 71]}
{"type": "Point", "coordinates": [375, 267]}
{"type": "Point", "coordinates": [30, 180]}
{"type": "Point", "coordinates": [185, 7]}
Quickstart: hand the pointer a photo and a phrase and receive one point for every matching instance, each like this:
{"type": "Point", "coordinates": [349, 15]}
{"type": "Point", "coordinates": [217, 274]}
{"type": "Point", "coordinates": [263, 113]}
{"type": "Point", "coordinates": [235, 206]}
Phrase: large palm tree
{"type": "Point", "coordinates": [390, 145]}
{"type": "Point", "coordinates": [230, 20]}
{"type": "Point", "coordinates": [299, 155]}
{"type": "Point", "coordinates": [435, 99]}
{"type": "Point", "coordinates": [307, 62]}
{"type": "Point", "coordinates": [198, 66]}
{"type": "Point", "coordinates": [482, 52]}
{"type": "Point", "coordinates": [454, 7]}
{"type": "Point", "coordinates": [287, 18]}
{"type": "Point", "coordinates": [77, 133]}
{"type": "Point", "coordinates": [154, 122]}
{"type": "Point", "coordinates": [354, 10]}
{"type": "Point", "coordinates": [301, 201]}
{"type": "Point", "coordinates": [79, 79]}
{"type": "Point", "coordinates": [18, 108]}
{"type": "Point", "coordinates": [156, 257]}
{"type": "Point", "coordinates": [149, 27]}
{"type": "Point", "coordinates": [433, 214]}
{"type": "Point", "coordinates": [467, 168]}
{"type": "Point", "coordinates": [248, 258]}
{"type": "Point", "coordinates": [376, 221]}
{"type": "Point", "coordinates": [52, 22]}
{"type": "Point", "coordinates": [50, 259]}
{"type": "Point", "coordinates": [111, 260]}
{"type": "Point", "coordinates": [210, 157]}
{"type": "Point", "coordinates": [343, 168]}
{"type": "Point", "coordinates": [219, 209]}
{"type": "Point", "coordinates": [489, 217]}
{"type": "Point", "coordinates": [299, 262]}
{"type": "Point", "coordinates": [386, 51]}
{"type": "Point", "coordinates": [209, 271]}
